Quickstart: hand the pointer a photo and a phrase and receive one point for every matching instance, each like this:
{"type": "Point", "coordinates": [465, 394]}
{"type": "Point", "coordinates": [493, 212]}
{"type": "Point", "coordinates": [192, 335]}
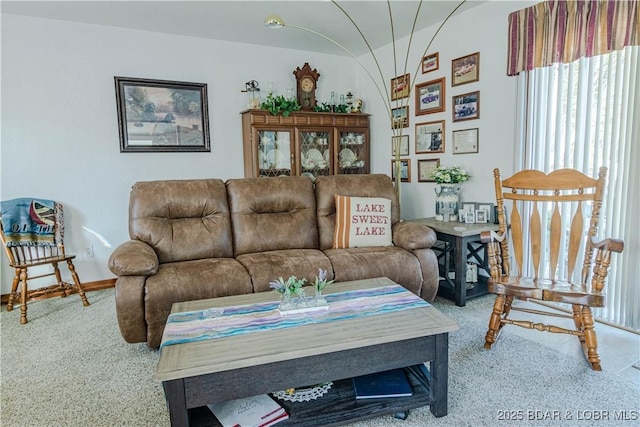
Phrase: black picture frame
{"type": "Point", "coordinates": [162, 115]}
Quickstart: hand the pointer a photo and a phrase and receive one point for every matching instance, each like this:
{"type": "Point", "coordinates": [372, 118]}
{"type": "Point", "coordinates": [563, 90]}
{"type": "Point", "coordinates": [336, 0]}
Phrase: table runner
{"type": "Point", "coordinates": [200, 325]}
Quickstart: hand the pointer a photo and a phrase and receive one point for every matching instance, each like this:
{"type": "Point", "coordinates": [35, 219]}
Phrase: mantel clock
{"type": "Point", "coordinates": [307, 82]}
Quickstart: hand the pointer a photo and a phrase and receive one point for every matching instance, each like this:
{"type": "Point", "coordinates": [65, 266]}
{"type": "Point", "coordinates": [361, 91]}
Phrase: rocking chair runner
{"type": "Point", "coordinates": [537, 202]}
{"type": "Point", "coordinates": [24, 257]}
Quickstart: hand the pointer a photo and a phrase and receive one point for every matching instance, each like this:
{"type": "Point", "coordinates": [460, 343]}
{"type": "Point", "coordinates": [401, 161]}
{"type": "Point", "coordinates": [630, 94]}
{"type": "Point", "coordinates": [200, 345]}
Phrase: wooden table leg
{"type": "Point", "coordinates": [440, 376]}
{"type": "Point", "coordinates": [176, 402]}
{"type": "Point", "coordinates": [461, 272]}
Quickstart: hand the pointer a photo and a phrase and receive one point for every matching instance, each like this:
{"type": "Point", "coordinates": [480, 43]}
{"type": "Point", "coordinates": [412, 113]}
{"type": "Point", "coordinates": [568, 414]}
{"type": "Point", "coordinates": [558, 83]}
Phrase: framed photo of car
{"type": "Point", "coordinates": [430, 137]}
{"type": "Point", "coordinates": [465, 69]}
{"type": "Point", "coordinates": [430, 62]}
{"type": "Point", "coordinates": [426, 168]}
{"type": "Point", "coordinates": [466, 106]}
{"type": "Point", "coordinates": [400, 117]}
{"type": "Point", "coordinates": [401, 143]}
{"type": "Point", "coordinates": [161, 115]}
{"type": "Point", "coordinates": [400, 87]}
{"type": "Point", "coordinates": [430, 97]}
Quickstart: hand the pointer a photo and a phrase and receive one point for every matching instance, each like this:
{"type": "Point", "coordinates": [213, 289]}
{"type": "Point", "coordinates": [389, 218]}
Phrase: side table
{"type": "Point", "coordinates": [462, 241]}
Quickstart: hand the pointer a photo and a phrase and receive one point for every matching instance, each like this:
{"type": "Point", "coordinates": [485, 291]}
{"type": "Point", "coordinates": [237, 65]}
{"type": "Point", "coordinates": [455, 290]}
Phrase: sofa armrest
{"type": "Point", "coordinates": [133, 258]}
{"type": "Point", "coordinates": [413, 235]}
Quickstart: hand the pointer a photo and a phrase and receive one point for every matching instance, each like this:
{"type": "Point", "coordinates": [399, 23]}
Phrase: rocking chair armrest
{"type": "Point", "coordinates": [492, 236]}
{"type": "Point", "coordinates": [413, 235]}
{"type": "Point", "coordinates": [133, 258]}
{"type": "Point", "coordinates": [608, 244]}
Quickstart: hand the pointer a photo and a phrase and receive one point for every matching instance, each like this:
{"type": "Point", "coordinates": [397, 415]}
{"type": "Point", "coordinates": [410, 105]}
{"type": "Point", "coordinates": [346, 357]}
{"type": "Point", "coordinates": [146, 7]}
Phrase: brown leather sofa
{"type": "Point", "coordinates": [206, 238]}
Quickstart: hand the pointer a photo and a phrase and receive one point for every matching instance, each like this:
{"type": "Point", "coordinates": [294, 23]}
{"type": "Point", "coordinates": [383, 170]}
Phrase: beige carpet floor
{"type": "Point", "coordinates": [70, 367]}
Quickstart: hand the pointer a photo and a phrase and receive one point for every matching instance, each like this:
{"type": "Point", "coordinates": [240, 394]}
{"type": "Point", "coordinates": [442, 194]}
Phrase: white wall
{"type": "Point", "coordinates": [59, 125]}
{"type": "Point", "coordinates": [482, 29]}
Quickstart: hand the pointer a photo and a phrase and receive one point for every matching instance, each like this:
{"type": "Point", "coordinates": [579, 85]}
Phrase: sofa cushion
{"type": "Point", "coordinates": [182, 219]}
{"type": "Point", "coordinates": [272, 214]}
{"type": "Point", "coordinates": [264, 267]}
{"type": "Point", "coordinates": [187, 281]}
{"type": "Point", "coordinates": [393, 262]}
{"type": "Point", "coordinates": [327, 187]}
{"type": "Point", "coordinates": [362, 222]}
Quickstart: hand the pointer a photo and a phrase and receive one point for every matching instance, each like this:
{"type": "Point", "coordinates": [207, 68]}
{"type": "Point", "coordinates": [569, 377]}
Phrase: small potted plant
{"type": "Point", "coordinates": [319, 284]}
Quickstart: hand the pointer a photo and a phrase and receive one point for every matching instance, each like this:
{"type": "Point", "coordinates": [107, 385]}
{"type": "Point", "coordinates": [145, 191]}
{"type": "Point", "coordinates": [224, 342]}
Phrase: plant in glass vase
{"type": "Point", "coordinates": [447, 194]}
{"type": "Point", "coordinates": [319, 284]}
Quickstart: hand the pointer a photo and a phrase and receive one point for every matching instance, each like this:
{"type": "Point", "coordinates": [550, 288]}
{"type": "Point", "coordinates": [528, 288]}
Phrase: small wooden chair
{"type": "Point", "coordinates": [22, 258]}
{"type": "Point", "coordinates": [536, 223]}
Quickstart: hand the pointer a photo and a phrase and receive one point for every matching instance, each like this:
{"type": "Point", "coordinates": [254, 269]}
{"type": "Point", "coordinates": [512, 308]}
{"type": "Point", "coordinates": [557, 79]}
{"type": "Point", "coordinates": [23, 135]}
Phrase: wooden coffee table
{"type": "Point", "coordinates": [197, 373]}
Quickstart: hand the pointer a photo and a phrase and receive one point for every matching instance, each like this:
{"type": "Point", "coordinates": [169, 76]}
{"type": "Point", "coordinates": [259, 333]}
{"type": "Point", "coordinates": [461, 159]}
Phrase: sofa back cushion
{"type": "Point", "coordinates": [327, 187]}
{"type": "Point", "coordinates": [182, 219]}
{"type": "Point", "coordinates": [270, 214]}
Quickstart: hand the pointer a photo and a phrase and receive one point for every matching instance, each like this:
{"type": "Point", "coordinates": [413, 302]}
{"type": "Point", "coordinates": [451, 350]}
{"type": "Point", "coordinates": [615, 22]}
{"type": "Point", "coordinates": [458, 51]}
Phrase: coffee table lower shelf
{"type": "Point", "coordinates": [338, 406]}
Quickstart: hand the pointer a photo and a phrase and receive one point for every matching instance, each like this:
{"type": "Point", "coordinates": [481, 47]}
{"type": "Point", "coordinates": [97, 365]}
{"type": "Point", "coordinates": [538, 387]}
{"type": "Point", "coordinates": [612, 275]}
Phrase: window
{"type": "Point", "coordinates": [584, 115]}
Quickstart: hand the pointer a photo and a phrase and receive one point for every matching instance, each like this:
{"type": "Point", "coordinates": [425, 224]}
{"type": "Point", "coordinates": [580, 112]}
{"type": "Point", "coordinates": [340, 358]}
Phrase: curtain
{"type": "Point", "coordinates": [584, 115]}
{"type": "Point", "coordinates": [563, 31]}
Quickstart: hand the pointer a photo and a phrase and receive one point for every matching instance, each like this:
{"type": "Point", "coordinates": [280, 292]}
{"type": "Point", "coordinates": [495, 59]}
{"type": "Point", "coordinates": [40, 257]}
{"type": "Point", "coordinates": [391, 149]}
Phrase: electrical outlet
{"type": "Point", "coordinates": [88, 252]}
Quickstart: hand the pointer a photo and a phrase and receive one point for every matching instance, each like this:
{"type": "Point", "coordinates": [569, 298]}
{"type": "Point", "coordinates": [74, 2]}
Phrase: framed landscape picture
{"type": "Point", "coordinates": [400, 87]}
{"type": "Point", "coordinates": [426, 168]}
{"type": "Point", "coordinates": [430, 63]}
{"type": "Point", "coordinates": [430, 97]}
{"type": "Point", "coordinates": [430, 137]}
{"type": "Point", "coordinates": [466, 106]}
{"type": "Point", "coordinates": [161, 115]}
{"type": "Point", "coordinates": [465, 69]}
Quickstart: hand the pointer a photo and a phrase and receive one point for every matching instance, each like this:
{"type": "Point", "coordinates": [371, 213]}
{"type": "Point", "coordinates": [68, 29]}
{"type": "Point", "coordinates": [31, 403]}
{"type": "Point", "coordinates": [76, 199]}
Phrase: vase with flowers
{"type": "Point", "coordinates": [448, 192]}
{"type": "Point", "coordinates": [319, 284]}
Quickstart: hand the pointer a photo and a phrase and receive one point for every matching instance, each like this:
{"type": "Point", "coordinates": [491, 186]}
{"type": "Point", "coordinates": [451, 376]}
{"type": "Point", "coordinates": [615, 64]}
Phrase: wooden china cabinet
{"type": "Point", "coordinates": [305, 143]}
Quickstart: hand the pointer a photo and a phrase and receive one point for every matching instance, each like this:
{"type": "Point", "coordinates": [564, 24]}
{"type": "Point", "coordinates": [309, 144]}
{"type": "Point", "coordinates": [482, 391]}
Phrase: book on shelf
{"type": "Point", "coordinates": [393, 383]}
{"type": "Point", "coordinates": [253, 411]}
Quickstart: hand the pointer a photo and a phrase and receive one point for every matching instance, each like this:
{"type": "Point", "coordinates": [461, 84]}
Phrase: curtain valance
{"type": "Point", "coordinates": [563, 31]}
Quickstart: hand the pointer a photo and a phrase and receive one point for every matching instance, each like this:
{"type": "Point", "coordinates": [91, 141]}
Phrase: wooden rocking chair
{"type": "Point", "coordinates": [538, 199]}
{"type": "Point", "coordinates": [22, 258]}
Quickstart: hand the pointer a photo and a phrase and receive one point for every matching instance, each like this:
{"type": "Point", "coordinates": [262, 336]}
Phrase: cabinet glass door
{"type": "Point", "coordinates": [274, 153]}
{"type": "Point", "coordinates": [352, 152]}
{"type": "Point", "coordinates": [315, 153]}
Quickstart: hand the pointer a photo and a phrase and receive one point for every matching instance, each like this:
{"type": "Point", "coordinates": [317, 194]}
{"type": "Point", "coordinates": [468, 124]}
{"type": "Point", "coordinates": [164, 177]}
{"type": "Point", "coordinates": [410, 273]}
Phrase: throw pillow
{"type": "Point", "coordinates": [362, 222]}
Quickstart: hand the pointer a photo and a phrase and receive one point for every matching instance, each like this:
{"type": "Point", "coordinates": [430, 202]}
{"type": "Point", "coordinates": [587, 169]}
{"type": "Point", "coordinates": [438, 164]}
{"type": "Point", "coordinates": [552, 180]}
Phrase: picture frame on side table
{"type": "Point", "coordinates": [430, 97]}
{"type": "Point", "coordinates": [466, 106]}
{"type": "Point", "coordinates": [465, 141]}
{"type": "Point", "coordinates": [426, 168]}
{"type": "Point", "coordinates": [429, 137]}
{"type": "Point", "coordinates": [465, 69]}
{"type": "Point", "coordinates": [488, 209]}
{"type": "Point", "coordinates": [402, 142]}
{"type": "Point", "coordinates": [400, 87]}
{"type": "Point", "coordinates": [430, 62]}
{"type": "Point", "coordinates": [405, 170]}
{"type": "Point", "coordinates": [481, 216]}
{"type": "Point", "coordinates": [162, 115]}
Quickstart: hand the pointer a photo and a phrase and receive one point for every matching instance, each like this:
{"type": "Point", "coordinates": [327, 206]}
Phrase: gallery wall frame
{"type": "Point", "coordinates": [162, 115]}
{"type": "Point", "coordinates": [465, 141]}
{"type": "Point", "coordinates": [400, 87]}
{"type": "Point", "coordinates": [430, 96]}
{"type": "Point", "coordinates": [466, 106]}
{"type": "Point", "coordinates": [402, 142]}
{"type": "Point", "coordinates": [426, 168]}
{"type": "Point", "coordinates": [465, 69]}
{"type": "Point", "coordinates": [430, 62]}
{"type": "Point", "coordinates": [430, 137]}
{"type": "Point", "coordinates": [405, 170]}
{"type": "Point", "coordinates": [400, 117]}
